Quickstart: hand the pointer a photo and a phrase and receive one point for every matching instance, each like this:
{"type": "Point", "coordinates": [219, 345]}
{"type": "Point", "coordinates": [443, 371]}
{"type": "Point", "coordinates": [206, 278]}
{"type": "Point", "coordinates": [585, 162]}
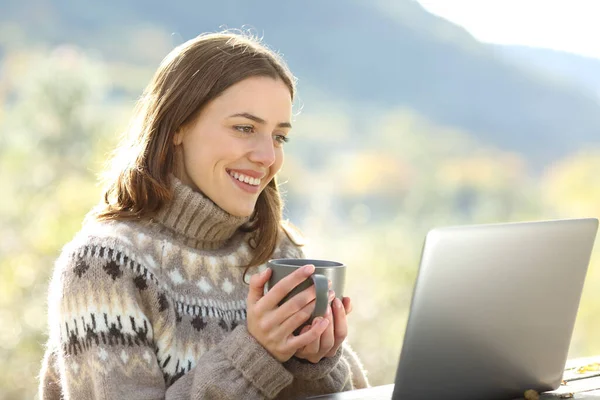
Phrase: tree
{"type": "Point", "coordinates": [51, 137]}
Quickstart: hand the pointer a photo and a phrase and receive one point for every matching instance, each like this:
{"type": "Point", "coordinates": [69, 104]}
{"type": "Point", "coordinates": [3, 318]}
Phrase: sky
{"type": "Point", "coordinates": [567, 25]}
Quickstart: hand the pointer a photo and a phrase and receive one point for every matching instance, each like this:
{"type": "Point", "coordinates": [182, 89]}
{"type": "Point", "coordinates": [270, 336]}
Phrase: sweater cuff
{"type": "Point", "coordinates": [255, 363]}
{"type": "Point", "coordinates": [303, 369]}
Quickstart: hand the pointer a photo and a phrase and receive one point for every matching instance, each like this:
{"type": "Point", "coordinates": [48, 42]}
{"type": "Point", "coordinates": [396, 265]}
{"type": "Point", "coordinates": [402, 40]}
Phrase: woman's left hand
{"type": "Point", "coordinates": [333, 337]}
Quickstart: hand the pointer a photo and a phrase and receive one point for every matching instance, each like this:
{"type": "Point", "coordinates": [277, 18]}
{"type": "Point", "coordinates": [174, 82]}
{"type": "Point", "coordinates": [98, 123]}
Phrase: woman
{"type": "Point", "coordinates": [150, 299]}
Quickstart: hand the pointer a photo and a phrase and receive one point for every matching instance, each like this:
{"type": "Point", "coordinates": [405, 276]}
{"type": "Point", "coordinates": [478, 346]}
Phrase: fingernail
{"type": "Point", "coordinates": [316, 321]}
{"type": "Point", "coordinates": [338, 303]}
{"type": "Point", "coordinates": [309, 269]}
{"type": "Point", "coordinates": [324, 322]}
{"type": "Point", "coordinates": [264, 273]}
{"type": "Point", "coordinates": [328, 312]}
{"type": "Point", "coordinates": [329, 284]}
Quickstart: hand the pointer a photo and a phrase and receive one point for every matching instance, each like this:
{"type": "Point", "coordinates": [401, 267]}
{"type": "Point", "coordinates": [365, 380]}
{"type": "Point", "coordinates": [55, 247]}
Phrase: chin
{"type": "Point", "coordinates": [242, 214]}
{"type": "Point", "coordinates": [241, 211]}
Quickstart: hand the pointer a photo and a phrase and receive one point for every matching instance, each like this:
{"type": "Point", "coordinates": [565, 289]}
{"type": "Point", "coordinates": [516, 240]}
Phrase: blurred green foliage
{"type": "Point", "coordinates": [390, 176]}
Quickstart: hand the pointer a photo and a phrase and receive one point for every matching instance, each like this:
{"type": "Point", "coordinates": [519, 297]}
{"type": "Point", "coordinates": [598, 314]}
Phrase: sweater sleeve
{"type": "Point", "coordinates": [340, 373]}
{"type": "Point", "coordinates": [102, 345]}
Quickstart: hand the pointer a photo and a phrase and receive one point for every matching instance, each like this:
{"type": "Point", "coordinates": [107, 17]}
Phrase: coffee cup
{"type": "Point", "coordinates": [325, 271]}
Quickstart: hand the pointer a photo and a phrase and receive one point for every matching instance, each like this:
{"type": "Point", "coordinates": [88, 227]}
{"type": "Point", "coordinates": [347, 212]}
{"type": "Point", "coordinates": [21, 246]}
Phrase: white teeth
{"type": "Point", "coordinates": [246, 179]}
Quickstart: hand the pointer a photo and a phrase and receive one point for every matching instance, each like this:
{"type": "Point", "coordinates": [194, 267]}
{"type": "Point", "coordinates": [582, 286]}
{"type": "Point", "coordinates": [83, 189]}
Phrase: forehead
{"type": "Point", "coordinates": [264, 97]}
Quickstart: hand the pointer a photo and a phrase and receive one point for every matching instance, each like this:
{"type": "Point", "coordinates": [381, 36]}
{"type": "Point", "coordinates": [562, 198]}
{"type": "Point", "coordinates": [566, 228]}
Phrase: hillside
{"type": "Point", "coordinates": [375, 55]}
{"type": "Point", "coordinates": [584, 71]}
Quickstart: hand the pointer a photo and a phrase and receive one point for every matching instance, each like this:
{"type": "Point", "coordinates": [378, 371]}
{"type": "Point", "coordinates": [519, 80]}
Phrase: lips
{"type": "Point", "coordinates": [248, 172]}
{"type": "Point", "coordinates": [244, 178]}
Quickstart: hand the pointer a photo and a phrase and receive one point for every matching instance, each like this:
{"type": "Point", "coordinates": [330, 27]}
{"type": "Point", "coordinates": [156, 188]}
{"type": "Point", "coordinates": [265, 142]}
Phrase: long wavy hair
{"type": "Point", "coordinates": [190, 76]}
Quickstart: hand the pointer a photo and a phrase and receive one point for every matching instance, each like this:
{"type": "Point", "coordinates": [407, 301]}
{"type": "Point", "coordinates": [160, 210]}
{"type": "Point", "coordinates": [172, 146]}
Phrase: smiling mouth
{"type": "Point", "coordinates": [244, 178]}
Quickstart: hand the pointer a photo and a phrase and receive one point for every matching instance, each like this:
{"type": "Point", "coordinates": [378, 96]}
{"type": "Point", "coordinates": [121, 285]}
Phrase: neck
{"type": "Point", "coordinates": [196, 219]}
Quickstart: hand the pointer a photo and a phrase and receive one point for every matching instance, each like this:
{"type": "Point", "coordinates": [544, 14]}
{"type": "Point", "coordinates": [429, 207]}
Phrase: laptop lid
{"type": "Point", "coordinates": [493, 309]}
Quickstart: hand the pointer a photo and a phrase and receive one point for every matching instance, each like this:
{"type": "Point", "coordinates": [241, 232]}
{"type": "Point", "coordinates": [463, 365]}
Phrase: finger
{"type": "Point", "coordinates": [300, 352]}
{"type": "Point", "coordinates": [327, 338]}
{"type": "Point", "coordinates": [293, 305]}
{"type": "Point", "coordinates": [292, 323]}
{"type": "Point", "coordinates": [297, 303]}
{"type": "Point", "coordinates": [347, 304]}
{"type": "Point", "coordinates": [284, 286]}
{"type": "Point", "coordinates": [312, 349]}
{"type": "Point", "coordinates": [340, 326]}
{"type": "Point", "coordinates": [257, 286]}
{"type": "Point", "coordinates": [306, 329]}
{"type": "Point", "coordinates": [313, 334]}
{"type": "Point", "coordinates": [339, 319]}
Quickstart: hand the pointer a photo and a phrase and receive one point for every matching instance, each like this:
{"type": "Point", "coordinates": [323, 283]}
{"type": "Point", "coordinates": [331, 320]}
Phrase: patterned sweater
{"type": "Point", "coordinates": [156, 309]}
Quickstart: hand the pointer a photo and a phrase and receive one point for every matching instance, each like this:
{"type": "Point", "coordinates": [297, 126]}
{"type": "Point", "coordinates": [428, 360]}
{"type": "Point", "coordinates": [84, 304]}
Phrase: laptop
{"type": "Point", "coordinates": [492, 311]}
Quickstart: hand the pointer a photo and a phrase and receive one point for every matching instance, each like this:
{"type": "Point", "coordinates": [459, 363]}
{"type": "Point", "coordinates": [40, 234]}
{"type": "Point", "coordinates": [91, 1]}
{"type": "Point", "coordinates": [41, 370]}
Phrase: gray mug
{"type": "Point", "coordinates": [324, 271]}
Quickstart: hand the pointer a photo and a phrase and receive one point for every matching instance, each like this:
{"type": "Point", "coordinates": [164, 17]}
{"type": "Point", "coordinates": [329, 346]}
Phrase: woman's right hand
{"type": "Point", "coordinates": [272, 325]}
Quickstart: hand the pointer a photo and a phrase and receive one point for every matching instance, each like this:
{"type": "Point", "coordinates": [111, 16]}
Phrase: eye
{"type": "Point", "coordinates": [244, 128]}
{"type": "Point", "coordinates": [281, 139]}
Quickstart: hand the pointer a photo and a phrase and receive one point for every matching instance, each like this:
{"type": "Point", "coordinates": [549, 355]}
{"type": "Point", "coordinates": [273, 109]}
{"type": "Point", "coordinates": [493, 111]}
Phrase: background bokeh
{"type": "Point", "coordinates": [404, 122]}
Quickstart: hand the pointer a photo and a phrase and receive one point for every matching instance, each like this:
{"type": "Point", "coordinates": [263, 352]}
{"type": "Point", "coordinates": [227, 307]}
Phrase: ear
{"type": "Point", "coordinates": [178, 137]}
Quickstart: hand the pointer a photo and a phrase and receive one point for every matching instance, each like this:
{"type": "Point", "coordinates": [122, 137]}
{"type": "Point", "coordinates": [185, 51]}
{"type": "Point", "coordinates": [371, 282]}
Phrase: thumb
{"type": "Point", "coordinates": [257, 286]}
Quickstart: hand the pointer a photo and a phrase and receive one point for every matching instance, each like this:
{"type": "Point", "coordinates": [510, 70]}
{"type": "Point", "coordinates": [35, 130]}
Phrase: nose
{"type": "Point", "coordinates": [263, 151]}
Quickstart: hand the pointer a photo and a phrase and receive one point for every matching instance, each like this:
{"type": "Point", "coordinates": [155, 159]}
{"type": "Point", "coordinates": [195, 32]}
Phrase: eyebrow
{"type": "Point", "coordinates": [260, 120]}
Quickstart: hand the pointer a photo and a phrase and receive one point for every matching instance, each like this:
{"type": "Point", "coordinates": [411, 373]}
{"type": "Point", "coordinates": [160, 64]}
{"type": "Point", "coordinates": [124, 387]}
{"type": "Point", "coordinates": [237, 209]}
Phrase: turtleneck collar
{"type": "Point", "coordinates": [196, 219]}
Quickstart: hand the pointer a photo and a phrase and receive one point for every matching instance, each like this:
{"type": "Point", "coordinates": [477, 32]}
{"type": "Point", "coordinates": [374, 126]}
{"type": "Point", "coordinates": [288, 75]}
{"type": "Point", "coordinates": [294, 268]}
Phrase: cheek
{"type": "Point", "coordinates": [212, 150]}
{"type": "Point", "coordinates": [278, 161]}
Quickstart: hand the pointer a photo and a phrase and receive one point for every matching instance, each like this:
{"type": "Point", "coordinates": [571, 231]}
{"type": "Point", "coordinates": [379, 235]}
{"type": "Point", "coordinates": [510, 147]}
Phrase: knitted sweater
{"type": "Point", "coordinates": [156, 309]}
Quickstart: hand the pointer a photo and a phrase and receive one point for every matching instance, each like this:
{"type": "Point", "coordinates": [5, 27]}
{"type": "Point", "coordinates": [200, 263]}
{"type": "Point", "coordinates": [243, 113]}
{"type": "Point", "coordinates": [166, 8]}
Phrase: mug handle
{"type": "Point", "coordinates": [322, 290]}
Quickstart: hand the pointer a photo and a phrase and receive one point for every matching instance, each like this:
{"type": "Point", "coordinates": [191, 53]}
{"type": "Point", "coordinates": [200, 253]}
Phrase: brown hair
{"type": "Point", "coordinates": [192, 75]}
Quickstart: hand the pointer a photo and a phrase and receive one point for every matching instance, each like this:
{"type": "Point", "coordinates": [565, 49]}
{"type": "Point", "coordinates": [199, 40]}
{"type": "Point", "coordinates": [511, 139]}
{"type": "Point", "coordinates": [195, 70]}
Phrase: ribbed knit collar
{"type": "Point", "coordinates": [196, 219]}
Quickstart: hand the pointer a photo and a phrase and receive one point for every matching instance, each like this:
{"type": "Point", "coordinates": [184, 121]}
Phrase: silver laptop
{"type": "Point", "coordinates": [492, 311]}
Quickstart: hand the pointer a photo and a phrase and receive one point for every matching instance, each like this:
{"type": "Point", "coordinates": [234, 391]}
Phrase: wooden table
{"type": "Point", "coordinates": [581, 380]}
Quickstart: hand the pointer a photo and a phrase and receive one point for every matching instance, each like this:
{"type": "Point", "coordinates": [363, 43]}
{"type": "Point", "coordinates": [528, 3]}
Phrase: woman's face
{"type": "Point", "coordinates": [235, 146]}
